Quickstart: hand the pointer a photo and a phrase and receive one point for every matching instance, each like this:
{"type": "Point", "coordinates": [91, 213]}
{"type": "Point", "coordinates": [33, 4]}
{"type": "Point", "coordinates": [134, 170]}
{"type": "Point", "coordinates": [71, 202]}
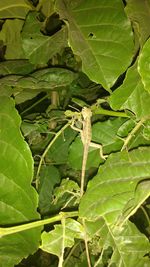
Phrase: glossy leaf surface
{"type": "Point", "coordinates": [114, 185]}
{"type": "Point", "coordinates": [49, 177]}
{"type": "Point", "coordinates": [52, 241]}
{"type": "Point", "coordinates": [34, 42]}
{"type": "Point", "coordinates": [128, 245]}
{"type": "Point", "coordinates": [131, 95]}
{"type": "Point", "coordinates": [98, 32]}
{"type": "Point", "coordinates": [14, 9]}
{"type": "Point", "coordinates": [144, 65]}
{"type": "Point", "coordinates": [139, 13]}
{"type": "Point", "coordinates": [18, 198]}
{"type": "Point", "coordinates": [19, 67]}
{"type": "Point", "coordinates": [10, 34]}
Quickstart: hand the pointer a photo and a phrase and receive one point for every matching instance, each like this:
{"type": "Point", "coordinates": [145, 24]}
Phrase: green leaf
{"type": "Point", "coordinates": [127, 240]}
{"type": "Point", "coordinates": [76, 155]}
{"type": "Point", "coordinates": [34, 42]}
{"type": "Point", "coordinates": [98, 33]}
{"type": "Point", "coordinates": [139, 140]}
{"type": "Point", "coordinates": [10, 34]}
{"type": "Point", "coordinates": [18, 198]}
{"type": "Point", "coordinates": [144, 65]}
{"type": "Point", "coordinates": [115, 245]}
{"type": "Point", "coordinates": [52, 241]}
{"type": "Point", "coordinates": [49, 177]}
{"type": "Point", "coordinates": [131, 95]}
{"type": "Point", "coordinates": [133, 134]}
{"type": "Point", "coordinates": [45, 79]}
{"type": "Point", "coordinates": [10, 85]}
{"type": "Point", "coordinates": [106, 133]}
{"type": "Point", "coordinates": [126, 128]}
{"type": "Point", "coordinates": [139, 13]}
{"type": "Point", "coordinates": [114, 185]}
{"type": "Point", "coordinates": [124, 242]}
{"type": "Point", "coordinates": [22, 96]}
{"type": "Point", "coordinates": [59, 151]}
{"type": "Point", "coordinates": [46, 7]}
{"type": "Point", "coordinates": [146, 131]}
{"type": "Point", "coordinates": [6, 84]}
{"type": "Point", "coordinates": [20, 67]}
{"type": "Point", "coordinates": [142, 192]}
{"type": "Point", "coordinates": [14, 9]}
{"type": "Point", "coordinates": [27, 87]}
{"type": "Point", "coordinates": [28, 128]}
{"type": "Point", "coordinates": [54, 77]}
{"type": "Point", "coordinates": [68, 191]}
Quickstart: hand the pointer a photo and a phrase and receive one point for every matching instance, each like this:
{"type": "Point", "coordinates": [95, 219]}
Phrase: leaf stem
{"type": "Point", "coordinates": [112, 113]}
{"type": "Point", "coordinates": [15, 229]}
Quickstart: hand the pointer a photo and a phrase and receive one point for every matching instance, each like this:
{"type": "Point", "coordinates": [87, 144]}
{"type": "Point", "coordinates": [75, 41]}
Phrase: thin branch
{"type": "Point", "coordinates": [132, 133]}
{"type": "Point", "coordinates": [86, 245]}
{"type": "Point", "coordinates": [61, 258]}
{"type": "Point", "coordinates": [47, 149]}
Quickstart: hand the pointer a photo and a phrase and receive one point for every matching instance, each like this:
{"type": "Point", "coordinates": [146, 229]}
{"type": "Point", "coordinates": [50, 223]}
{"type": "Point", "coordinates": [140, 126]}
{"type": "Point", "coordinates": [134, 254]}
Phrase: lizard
{"type": "Point", "coordinates": [86, 137]}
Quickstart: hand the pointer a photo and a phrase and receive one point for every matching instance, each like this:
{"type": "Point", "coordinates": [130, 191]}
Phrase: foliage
{"type": "Point", "coordinates": [58, 56]}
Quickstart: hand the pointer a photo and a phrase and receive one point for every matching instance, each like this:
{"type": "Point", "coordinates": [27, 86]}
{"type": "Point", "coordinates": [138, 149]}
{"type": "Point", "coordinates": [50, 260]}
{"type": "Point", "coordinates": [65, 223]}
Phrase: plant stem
{"type": "Point", "coordinates": [132, 133]}
{"type": "Point", "coordinates": [33, 105]}
{"type": "Point", "coordinates": [46, 150]}
{"type": "Point", "coordinates": [146, 215]}
{"type": "Point", "coordinates": [86, 245]}
{"type": "Point", "coordinates": [70, 253]}
{"type": "Point", "coordinates": [61, 258]}
{"type": "Point", "coordinates": [15, 229]}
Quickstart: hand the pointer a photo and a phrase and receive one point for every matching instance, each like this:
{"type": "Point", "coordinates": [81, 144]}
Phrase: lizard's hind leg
{"type": "Point", "coordinates": [100, 147]}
